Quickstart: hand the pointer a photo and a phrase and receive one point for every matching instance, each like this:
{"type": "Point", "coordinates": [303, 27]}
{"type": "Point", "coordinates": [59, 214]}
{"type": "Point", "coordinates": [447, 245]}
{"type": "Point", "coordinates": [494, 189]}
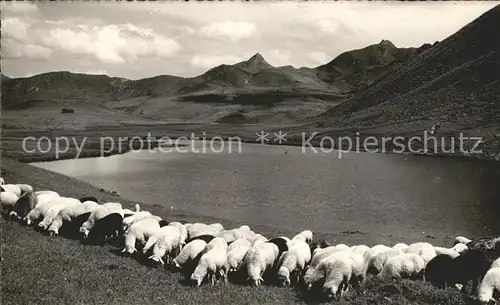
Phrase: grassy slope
{"type": "Point", "coordinates": [37, 269]}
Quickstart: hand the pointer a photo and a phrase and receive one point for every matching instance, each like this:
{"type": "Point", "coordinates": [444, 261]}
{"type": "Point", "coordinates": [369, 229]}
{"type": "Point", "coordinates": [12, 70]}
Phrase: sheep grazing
{"type": "Point", "coordinates": [24, 205]}
{"type": "Point", "coordinates": [128, 221]}
{"type": "Point", "coordinates": [211, 263]}
{"type": "Point", "coordinates": [489, 284]}
{"type": "Point", "coordinates": [360, 249]}
{"type": "Point", "coordinates": [8, 201]}
{"type": "Point", "coordinates": [13, 188]}
{"type": "Point", "coordinates": [165, 241]}
{"type": "Point", "coordinates": [52, 212]}
{"type": "Point", "coordinates": [25, 188]}
{"type": "Point", "coordinates": [182, 231]}
{"type": "Point", "coordinates": [438, 270]}
{"type": "Point", "coordinates": [105, 228]}
{"type": "Point", "coordinates": [336, 270]}
{"type": "Point", "coordinates": [189, 252]}
{"type": "Point", "coordinates": [447, 251]}
{"type": "Point", "coordinates": [318, 255]}
{"type": "Point", "coordinates": [461, 240]}
{"type": "Point", "coordinates": [401, 246]}
{"type": "Point", "coordinates": [471, 265]}
{"type": "Point", "coordinates": [89, 198]}
{"type": "Point", "coordinates": [281, 243]}
{"type": "Point", "coordinates": [375, 250]}
{"type": "Point", "coordinates": [140, 231]}
{"type": "Point", "coordinates": [236, 253]}
{"type": "Point", "coordinates": [306, 236]}
{"type": "Point", "coordinates": [100, 212]}
{"type": "Point", "coordinates": [258, 259]}
{"type": "Point", "coordinates": [425, 250]}
{"type": "Point", "coordinates": [44, 202]}
{"type": "Point", "coordinates": [376, 263]}
{"type": "Point", "coordinates": [293, 262]}
{"type": "Point", "coordinates": [408, 265]}
{"type": "Point", "coordinates": [198, 229]}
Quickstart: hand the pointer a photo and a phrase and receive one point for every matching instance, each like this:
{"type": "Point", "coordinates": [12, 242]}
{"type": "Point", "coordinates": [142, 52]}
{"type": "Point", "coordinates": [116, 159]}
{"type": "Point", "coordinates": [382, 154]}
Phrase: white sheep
{"type": "Point", "coordinates": [100, 212]}
{"type": "Point", "coordinates": [404, 265]}
{"type": "Point", "coordinates": [8, 201]}
{"type": "Point", "coordinates": [129, 220]}
{"type": "Point", "coordinates": [496, 263]}
{"type": "Point", "coordinates": [258, 259]}
{"type": "Point", "coordinates": [44, 202]}
{"type": "Point", "coordinates": [182, 230]}
{"type": "Point", "coordinates": [47, 192]}
{"type": "Point", "coordinates": [425, 250]}
{"type": "Point", "coordinates": [140, 231]}
{"type": "Point", "coordinates": [294, 261]}
{"type": "Point", "coordinates": [198, 229]}
{"type": "Point", "coordinates": [2, 182]}
{"type": "Point", "coordinates": [374, 251]}
{"type": "Point", "coordinates": [360, 249]}
{"type": "Point", "coordinates": [336, 269]}
{"type": "Point", "coordinates": [52, 212]}
{"type": "Point", "coordinates": [376, 263]}
{"type": "Point", "coordinates": [401, 246]}
{"type": "Point", "coordinates": [68, 213]}
{"type": "Point", "coordinates": [258, 239]}
{"type": "Point", "coordinates": [460, 248]}
{"type": "Point", "coordinates": [189, 252]}
{"type": "Point", "coordinates": [211, 263]}
{"type": "Point", "coordinates": [447, 251]}
{"type": "Point", "coordinates": [165, 240]}
{"type": "Point", "coordinates": [13, 188]}
{"type": "Point", "coordinates": [462, 240]}
{"type": "Point", "coordinates": [319, 254]}
{"type": "Point", "coordinates": [234, 234]}
{"type": "Point", "coordinates": [305, 235]}
{"type": "Point", "coordinates": [489, 284]}
{"type": "Point", "coordinates": [25, 188]}
{"type": "Point", "coordinates": [236, 252]}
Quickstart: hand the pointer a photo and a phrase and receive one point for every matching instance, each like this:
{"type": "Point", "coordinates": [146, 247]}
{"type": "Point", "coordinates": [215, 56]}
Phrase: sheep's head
{"type": "Point", "coordinates": [331, 292]}
{"type": "Point", "coordinates": [13, 216]}
{"type": "Point", "coordinates": [27, 221]}
{"type": "Point", "coordinates": [256, 280]}
{"type": "Point", "coordinates": [284, 276]}
{"type": "Point", "coordinates": [84, 232]}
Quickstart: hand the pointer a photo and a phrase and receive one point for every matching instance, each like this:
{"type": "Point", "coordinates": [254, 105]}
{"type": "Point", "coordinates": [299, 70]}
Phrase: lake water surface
{"type": "Point", "coordinates": [399, 195]}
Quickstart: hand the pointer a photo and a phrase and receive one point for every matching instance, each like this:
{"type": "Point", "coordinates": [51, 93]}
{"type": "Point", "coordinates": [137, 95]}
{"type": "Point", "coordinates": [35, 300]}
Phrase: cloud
{"type": "Point", "coordinates": [232, 30]}
{"type": "Point", "coordinates": [210, 61]}
{"type": "Point", "coordinates": [15, 28]}
{"type": "Point", "coordinates": [317, 57]}
{"type": "Point", "coordinates": [113, 44]}
{"type": "Point", "coordinates": [18, 7]}
{"type": "Point", "coordinates": [278, 57]}
{"type": "Point", "coordinates": [12, 49]}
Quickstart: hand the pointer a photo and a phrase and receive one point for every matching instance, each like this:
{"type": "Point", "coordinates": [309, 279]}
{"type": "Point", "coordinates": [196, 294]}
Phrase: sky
{"type": "Point", "coordinates": [137, 40]}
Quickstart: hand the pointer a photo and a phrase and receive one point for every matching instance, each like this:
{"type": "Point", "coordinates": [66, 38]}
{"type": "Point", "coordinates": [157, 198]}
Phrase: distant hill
{"type": "Point", "coordinates": [248, 91]}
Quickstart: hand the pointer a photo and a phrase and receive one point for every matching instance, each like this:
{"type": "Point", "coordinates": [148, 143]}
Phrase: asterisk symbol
{"type": "Point", "coordinates": [280, 137]}
{"type": "Point", "coordinates": [262, 137]}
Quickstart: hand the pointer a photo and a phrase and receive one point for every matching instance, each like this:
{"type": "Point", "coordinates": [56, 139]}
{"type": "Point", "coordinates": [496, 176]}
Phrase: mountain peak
{"type": "Point", "coordinates": [387, 44]}
{"type": "Point", "coordinates": [254, 64]}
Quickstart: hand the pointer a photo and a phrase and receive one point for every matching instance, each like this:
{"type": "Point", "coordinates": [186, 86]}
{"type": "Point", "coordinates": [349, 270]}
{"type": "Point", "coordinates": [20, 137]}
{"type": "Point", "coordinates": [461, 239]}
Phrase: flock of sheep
{"type": "Point", "coordinates": [210, 252]}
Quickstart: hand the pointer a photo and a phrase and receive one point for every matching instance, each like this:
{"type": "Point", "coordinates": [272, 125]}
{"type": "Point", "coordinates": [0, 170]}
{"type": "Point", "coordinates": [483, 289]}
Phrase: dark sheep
{"type": "Point", "coordinates": [471, 265]}
{"type": "Point", "coordinates": [89, 198]}
{"type": "Point", "coordinates": [206, 237]}
{"type": "Point", "coordinates": [438, 270]}
{"type": "Point", "coordinates": [24, 205]}
{"type": "Point", "coordinates": [71, 229]}
{"type": "Point", "coordinates": [106, 228]}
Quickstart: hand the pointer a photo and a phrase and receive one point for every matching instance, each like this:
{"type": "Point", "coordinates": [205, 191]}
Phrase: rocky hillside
{"type": "Point", "coordinates": [455, 83]}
